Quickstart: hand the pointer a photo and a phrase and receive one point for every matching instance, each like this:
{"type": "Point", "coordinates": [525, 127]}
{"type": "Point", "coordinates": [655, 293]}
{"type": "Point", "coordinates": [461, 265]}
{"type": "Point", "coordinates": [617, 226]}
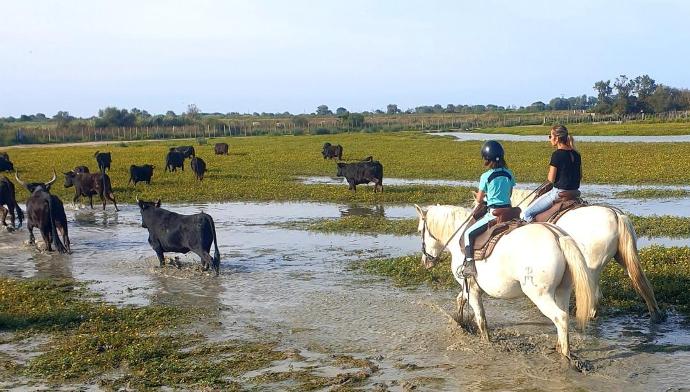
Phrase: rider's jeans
{"type": "Point", "coordinates": [543, 203]}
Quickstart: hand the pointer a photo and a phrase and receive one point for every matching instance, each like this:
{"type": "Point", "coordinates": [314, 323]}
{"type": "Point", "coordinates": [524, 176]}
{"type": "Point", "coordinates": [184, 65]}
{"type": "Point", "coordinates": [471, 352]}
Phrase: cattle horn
{"type": "Point", "coordinates": [136, 197]}
{"type": "Point", "coordinates": [16, 175]}
{"type": "Point", "coordinates": [53, 180]}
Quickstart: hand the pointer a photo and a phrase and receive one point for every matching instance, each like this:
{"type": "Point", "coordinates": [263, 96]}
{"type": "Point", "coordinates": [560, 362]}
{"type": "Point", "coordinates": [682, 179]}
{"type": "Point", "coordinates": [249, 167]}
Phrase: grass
{"type": "Point", "coordinates": [625, 129]}
{"type": "Point", "coordinates": [265, 169]}
{"type": "Point", "coordinates": [652, 194]}
{"type": "Point", "coordinates": [90, 342]}
{"type": "Point", "coordinates": [661, 226]}
{"type": "Point", "coordinates": [668, 269]}
{"type": "Point", "coordinates": [358, 224]}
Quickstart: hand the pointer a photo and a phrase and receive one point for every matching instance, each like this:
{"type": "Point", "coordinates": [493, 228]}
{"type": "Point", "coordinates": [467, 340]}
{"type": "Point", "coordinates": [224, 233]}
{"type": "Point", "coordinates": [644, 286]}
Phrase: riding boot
{"type": "Point", "coordinates": [468, 267]}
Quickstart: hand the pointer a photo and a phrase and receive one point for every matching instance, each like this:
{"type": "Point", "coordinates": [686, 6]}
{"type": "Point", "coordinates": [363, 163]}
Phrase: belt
{"type": "Point", "coordinates": [500, 206]}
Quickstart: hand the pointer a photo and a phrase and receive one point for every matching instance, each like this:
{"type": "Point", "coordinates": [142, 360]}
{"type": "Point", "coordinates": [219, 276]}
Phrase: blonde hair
{"type": "Point", "coordinates": [561, 133]}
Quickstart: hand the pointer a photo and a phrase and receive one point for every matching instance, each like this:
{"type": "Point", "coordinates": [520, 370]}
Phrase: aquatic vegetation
{"type": "Point", "coordinates": [652, 194]}
{"type": "Point", "coordinates": [661, 226]}
{"type": "Point", "coordinates": [407, 271]}
{"type": "Point", "coordinates": [358, 224]}
{"type": "Point", "coordinates": [90, 342]}
{"type": "Point", "coordinates": [266, 168]}
{"type": "Point", "coordinates": [668, 269]}
{"type": "Point", "coordinates": [625, 129]}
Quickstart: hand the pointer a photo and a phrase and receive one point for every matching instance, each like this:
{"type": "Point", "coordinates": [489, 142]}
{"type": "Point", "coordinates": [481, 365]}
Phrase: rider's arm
{"type": "Point", "coordinates": [552, 174]}
{"type": "Point", "coordinates": [479, 196]}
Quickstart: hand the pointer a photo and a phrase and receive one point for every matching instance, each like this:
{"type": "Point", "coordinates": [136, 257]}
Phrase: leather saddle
{"type": "Point", "coordinates": [507, 220]}
{"type": "Point", "coordinates": [567, 200]}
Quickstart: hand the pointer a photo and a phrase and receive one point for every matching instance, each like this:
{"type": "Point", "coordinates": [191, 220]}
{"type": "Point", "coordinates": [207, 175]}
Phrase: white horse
{"type": "Point", "coordinates": [539, 260]}
{"type": "Point", "coordinates": [604, 233]}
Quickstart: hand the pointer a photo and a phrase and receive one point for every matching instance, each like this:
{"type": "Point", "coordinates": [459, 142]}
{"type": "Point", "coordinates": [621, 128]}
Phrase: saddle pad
{"type": "Point", "coordinates": [560, 207]}
{"type": "Point", "coordinates": [484, 244]}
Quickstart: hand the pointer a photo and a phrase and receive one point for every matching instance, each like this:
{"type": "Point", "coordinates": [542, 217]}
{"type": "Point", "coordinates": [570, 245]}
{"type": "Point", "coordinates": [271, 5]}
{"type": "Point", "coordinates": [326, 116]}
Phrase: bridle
{"type": "Point", "coordinates": [429, 257]}
{"type": "Point", "coordinates": [425, 229]}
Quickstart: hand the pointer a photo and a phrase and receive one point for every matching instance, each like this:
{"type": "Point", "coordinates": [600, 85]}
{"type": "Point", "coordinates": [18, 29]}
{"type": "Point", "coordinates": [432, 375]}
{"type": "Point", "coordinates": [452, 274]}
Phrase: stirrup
{"type": "Point", "coordinates": [469, 268]}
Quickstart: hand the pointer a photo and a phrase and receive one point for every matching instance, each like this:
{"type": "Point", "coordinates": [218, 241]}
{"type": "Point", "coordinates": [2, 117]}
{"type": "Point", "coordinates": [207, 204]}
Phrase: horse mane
{"type": "Point", "coordinates": [519, 195]}
{"type": "Point", "coordinates": [443, 220]}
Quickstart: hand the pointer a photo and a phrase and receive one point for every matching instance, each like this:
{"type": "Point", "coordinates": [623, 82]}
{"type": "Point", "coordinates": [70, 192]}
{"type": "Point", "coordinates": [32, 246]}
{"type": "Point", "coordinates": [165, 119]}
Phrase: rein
{"type": "Point", "coordinates": [430, 257]}
{"type": "Point", "coordinates": [534, 191]}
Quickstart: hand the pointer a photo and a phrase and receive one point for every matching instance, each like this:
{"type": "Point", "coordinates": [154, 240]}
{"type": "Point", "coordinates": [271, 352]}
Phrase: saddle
{"type": "Point", "coordinates": [567, 200]}
{"type": "Point", "coordinates": [507, 220]}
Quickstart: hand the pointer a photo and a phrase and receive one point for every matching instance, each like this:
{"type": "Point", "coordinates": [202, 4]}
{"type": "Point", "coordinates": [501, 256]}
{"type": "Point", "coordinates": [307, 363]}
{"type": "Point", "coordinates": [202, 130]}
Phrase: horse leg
{"type": "Point", "coordinates": [461, 301]}
{"type": "Point", "coordinates": [547, 305]}
{"type": "Point", "coordinates": [478, 308]}
{"type": "Point", "coordinates": [563, 292]}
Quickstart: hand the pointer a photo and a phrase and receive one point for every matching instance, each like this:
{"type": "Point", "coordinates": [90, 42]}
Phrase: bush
{"type": "Point", "coordinates": [298, 131]}
{"type": "Point", "coordinates": [201, 141]}
{"type": "Point", "coordinates": [322, 131]}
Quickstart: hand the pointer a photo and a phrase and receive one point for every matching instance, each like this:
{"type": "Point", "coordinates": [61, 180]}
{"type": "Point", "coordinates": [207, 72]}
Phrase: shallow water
{"type": "Point", "coordinates": [465, 136]}
{"type": "Point", "coordinates": [594, 193]}
{"type": "Point", "coordinates": [296, 287]}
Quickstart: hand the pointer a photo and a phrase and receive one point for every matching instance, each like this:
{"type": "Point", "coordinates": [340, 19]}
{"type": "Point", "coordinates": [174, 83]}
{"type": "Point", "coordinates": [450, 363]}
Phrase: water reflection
{"type": "Point", "coordinates": [362, 210]}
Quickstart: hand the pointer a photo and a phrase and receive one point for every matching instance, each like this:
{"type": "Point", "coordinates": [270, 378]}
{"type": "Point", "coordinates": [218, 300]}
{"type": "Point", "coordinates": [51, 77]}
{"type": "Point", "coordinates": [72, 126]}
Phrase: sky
{"type": "Point", "coordinates": [277, 56]}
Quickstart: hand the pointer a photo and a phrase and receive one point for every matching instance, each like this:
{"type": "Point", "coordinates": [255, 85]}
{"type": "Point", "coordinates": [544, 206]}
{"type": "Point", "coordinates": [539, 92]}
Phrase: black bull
{"type": "Point", "coordinates": [89, 184]}
{"type": "Point", "coordinates": [6, 165]}
{"type": "Point", "coordinates": [46, 212]}
{"type": "Point", "coordinates": [332, 151]}
{"type": "Point", "coordinates": [140, 174]}
{"type": "Point", "coordinates": [187, 151]}
{"type": "Point", "coordinates": [8, 198]}
{"type": "Point", "coordinates": [172, 232]}
{"type": "Point", "coordinates": [104, 159]}
{"type": "Point", "coordinates": [221, 148]}
{"type": "Point", "coordinates": [173, 160]}
{"type": "Point", "coordinates": [362, 173]}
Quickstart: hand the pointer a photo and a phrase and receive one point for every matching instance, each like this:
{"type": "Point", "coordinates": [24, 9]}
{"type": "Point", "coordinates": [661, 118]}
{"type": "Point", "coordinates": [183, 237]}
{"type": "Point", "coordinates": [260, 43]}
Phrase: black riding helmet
{"type": "Point", "coordinates": [492, 151]}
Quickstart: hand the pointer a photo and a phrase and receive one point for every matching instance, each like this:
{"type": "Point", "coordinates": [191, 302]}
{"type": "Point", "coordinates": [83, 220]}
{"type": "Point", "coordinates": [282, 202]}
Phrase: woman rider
{"type": "Point", "coordinates": [496, 185]}
{"type": "Point", "coordinates": [565, 171]}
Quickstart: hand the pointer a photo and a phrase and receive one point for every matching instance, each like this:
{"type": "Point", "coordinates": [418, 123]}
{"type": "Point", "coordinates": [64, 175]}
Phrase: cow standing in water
{"type": "Point", "coordinates": [45, 212]}
{"type": "Point", "coordinates": [8, 198]}
{"type": "Point", "coordinates": [198, 167]}
{"type": "Point", "coordinates": [362, 172]}
{"type": "Point", "coordinates": [172, 232]}
{"type": "Point", "coordinates": [89, 184]}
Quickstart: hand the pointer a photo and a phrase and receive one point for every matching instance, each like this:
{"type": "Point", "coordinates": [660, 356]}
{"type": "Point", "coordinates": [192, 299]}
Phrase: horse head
{"type": "Point", "coordinates": [431, 246]}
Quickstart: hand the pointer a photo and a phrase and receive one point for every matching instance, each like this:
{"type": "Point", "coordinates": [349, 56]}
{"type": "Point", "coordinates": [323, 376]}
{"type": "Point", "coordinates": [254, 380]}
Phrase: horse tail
{"type": "Point", "coordinates": [585, 284]}
{"type": "Point", "coordinates": [629, 258]}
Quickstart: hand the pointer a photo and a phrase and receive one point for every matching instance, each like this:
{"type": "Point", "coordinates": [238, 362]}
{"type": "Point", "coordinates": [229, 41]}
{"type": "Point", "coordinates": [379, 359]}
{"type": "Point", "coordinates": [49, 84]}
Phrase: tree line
{"type": "Point", "coordinates": [641, 94]}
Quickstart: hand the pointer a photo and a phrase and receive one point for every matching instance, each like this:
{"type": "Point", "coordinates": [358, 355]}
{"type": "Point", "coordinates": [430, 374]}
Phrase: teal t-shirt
{"type": "Point", "coordinates": [499, 189]}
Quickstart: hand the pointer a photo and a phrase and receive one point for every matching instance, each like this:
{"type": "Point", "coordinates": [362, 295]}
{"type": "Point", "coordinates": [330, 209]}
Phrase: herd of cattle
{"type": "Point", "coordinates": [168, 231]}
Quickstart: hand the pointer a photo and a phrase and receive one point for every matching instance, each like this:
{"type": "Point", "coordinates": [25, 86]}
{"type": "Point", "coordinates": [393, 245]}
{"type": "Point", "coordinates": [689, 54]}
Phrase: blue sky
{"type": "Point", "coordinates": [277, 56]}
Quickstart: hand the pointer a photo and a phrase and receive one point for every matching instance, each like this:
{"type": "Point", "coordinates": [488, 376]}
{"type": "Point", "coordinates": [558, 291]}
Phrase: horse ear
{"type": "Point", "coordinates": [420, 211]}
